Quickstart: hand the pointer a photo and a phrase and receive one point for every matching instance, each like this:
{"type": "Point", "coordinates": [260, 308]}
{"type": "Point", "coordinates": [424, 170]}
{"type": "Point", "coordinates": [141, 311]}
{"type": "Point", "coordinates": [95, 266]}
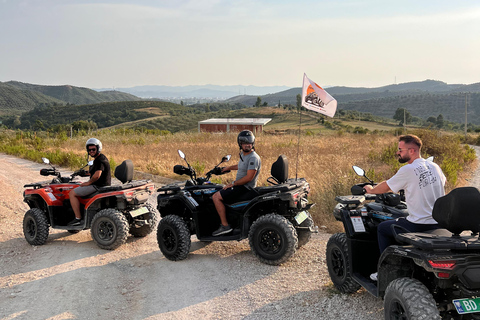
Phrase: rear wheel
{"type": "Point", "coordinates": [109, 229]}
{"type": "Point", "coordinates": [273, 239]}
{"type": "Point", "coordinates": [338, 264]}
{"type": "Point", "coordinates": [35, 226]}
{"type": "Point", "coordinates": [409, 299]}
{"type": "Point", "coordinates": [173, 238]}
{"type": "Point", "coordinates": [152, 218]}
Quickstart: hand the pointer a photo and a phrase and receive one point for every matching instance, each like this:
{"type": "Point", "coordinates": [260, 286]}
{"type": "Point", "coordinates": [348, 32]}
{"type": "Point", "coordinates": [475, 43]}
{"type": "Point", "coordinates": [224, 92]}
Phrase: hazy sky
{"type": "Point", "coordinates": [105, 44]}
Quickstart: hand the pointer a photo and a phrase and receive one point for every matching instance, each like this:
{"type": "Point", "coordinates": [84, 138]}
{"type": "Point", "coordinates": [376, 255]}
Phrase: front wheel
{"type": "Point", "coordinates": [338, 264]}
{"type": "Point", "coordinates": [109, 229]}
{"type": "Point", "coordinates": [409, 299]}
{"type": "Point", "coordinates": [173, 238]}
{"type": "Point", "coordinates": [152, 219]}
{"type": "Point", "coordinates": [35, 227]}
{"type": "Point", "coordinates": [273, 239]}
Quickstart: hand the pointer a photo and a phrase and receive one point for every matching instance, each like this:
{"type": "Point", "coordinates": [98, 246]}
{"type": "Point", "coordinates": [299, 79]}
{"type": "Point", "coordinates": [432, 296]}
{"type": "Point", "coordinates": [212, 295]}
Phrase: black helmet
{"type": "Point", "coordinates": [94, 142]}
{"type": "Point", "coordinates": [246, 136]}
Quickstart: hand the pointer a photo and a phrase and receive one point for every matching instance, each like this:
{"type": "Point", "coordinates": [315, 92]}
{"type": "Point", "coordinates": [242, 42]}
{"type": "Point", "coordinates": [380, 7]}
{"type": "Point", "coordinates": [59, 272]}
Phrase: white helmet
{"type": "Point", "coordinates": [94, 142]}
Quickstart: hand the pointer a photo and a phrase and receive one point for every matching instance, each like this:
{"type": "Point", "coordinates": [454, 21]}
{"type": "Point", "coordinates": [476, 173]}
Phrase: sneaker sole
{"type": "Point", "coordinates": [221, 232]}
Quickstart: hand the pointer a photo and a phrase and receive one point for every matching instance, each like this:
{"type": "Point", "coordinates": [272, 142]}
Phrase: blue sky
{"type": "Point", "coordinates": [368, 43]}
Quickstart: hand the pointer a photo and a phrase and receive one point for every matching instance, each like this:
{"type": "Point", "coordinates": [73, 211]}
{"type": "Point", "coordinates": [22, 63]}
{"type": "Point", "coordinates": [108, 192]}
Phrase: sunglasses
{"type": "Point", "coordinates": [92, 149]}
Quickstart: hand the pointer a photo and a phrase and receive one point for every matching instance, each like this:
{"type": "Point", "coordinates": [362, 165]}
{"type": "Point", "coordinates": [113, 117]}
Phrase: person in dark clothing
{"type": "Point", "coordinates": [100, 176]}
{"type": "Point", "coordinates": [247, 176]}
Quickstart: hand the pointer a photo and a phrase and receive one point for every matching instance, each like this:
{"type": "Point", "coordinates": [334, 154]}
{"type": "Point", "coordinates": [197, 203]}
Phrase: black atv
{"type": "Point", "coordinates": [274, 218]}
{"type": "Point", "coordinates": [432, 275]}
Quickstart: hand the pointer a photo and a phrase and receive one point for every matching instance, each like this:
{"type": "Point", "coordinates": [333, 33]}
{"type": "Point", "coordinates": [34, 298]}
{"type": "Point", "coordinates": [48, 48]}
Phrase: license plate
{"type": "Point", "coordinates": [467, 305]}
{"type": "Point", "coordinates": [138, 212]}
{"type": "Point", "coordinates": [301, 216]}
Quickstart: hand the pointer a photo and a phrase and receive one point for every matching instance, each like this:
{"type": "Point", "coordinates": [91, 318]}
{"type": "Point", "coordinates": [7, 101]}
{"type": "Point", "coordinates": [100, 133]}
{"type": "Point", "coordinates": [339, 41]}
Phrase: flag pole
{"type": "Point", "coordinates": [299, 107]}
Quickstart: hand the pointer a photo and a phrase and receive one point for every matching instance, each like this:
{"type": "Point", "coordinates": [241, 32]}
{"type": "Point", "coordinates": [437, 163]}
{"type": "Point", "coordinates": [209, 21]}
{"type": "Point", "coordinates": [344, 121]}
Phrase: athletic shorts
{"type": "Point", "coordinates": [231, 195]}
{"type": "Point", "coordinates": [85, 191]}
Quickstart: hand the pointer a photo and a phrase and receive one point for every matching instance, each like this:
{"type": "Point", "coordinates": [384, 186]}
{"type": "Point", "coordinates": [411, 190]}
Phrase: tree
{"type": "Point", "coordinates": [402, 115]}
{"type": "Point", "coordinates": [258, 102]}
{"type": "Point", "coordinates": [432, 120]}
{"type": "Point", "coordinates": [440, 121]}
{"type": "Point", "coordinates": [299, 101]}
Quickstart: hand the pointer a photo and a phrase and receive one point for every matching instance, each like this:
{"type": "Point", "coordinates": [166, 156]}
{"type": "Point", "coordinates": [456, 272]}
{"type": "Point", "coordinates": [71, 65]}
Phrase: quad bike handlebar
{"type": "Point", "coordinates": [189, 171]}
{"type": "Point", "coordinates": [59, 179]}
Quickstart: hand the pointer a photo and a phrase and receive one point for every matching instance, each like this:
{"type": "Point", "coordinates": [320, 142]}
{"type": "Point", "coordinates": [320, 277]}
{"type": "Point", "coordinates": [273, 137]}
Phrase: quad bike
{"type": "Point", "coordinates": [111, 213]}
{"type": "Point", "coordinates": [274, 218]}
{"type": "Point", "coordinates": [431, 275]}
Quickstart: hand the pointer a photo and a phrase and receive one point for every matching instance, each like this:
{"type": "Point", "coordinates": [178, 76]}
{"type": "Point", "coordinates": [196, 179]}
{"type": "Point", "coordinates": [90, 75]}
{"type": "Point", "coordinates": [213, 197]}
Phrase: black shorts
{"type": "Point", "coordinates": [234, 194]}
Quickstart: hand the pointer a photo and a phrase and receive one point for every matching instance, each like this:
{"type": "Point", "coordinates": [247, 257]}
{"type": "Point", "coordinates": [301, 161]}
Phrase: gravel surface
{"type": "Point", "coordinates": [71, 278]}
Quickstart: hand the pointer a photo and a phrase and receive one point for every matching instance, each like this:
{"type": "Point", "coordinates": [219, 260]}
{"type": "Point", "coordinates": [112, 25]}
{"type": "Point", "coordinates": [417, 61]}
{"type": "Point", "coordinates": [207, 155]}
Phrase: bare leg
{"type": "Point", "coordinates": [218, 201]}
{"type": "Point", "coordinates": [75, 204]}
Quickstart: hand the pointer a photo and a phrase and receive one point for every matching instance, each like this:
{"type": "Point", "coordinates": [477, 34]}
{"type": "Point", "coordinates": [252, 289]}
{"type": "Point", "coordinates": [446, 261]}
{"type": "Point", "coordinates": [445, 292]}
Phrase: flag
{"type": "Point", "coordinates": [316, 99]}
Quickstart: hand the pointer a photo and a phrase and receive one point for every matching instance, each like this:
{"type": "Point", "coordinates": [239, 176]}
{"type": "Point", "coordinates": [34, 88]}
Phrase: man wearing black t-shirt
{"type": "Point", "coordinates": [99, 176]}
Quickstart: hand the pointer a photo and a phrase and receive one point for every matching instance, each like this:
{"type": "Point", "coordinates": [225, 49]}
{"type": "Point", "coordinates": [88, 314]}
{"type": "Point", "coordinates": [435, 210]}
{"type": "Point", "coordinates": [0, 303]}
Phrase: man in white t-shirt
{"type": "Point", "coordinates": [423, 182]}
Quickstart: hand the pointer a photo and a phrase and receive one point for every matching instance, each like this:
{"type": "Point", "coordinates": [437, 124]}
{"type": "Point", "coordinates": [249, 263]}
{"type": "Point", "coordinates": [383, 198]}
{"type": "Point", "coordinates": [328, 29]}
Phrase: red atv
{"type": "Point", "coordinates": [111, 213]}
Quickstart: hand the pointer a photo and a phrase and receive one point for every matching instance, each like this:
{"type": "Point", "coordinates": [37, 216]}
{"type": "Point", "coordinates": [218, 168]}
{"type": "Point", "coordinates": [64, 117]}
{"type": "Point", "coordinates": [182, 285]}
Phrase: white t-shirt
{"type": "Point", "coordinates": [423, 182]}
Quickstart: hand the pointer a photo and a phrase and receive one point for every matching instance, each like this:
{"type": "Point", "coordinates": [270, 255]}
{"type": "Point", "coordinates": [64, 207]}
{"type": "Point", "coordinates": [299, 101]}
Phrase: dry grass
{"type": "Point", "coordinates": [326, 161]}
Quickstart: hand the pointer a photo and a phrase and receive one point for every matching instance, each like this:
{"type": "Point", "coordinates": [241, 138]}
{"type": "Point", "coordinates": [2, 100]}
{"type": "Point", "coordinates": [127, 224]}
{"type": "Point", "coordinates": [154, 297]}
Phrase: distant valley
{"type": "Point", "coordinates": [422, 99]}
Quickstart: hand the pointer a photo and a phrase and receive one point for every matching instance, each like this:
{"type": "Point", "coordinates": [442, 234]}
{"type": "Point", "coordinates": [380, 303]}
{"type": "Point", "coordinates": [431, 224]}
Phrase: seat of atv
{"type": "Point", "coordinates": [455, 212]}
{"type": "Point", "coordinates": [289, 184]}
{"type": "Point", "coordinates": [124, 173]}
{"type": "Point", "coordinates": [119, 187]}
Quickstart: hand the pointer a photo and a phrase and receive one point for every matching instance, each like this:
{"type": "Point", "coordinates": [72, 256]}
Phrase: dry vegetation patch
{"type": "Point", "coordinates": [325, 160]}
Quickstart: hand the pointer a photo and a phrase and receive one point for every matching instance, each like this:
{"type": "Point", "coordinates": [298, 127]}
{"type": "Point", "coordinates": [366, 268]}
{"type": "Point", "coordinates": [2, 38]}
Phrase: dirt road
{"type": "Point", "coordinates": [71, 278]}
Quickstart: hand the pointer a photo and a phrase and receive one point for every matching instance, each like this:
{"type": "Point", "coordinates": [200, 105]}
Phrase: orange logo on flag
{"type": "Point", "coordinates": [312, 97]}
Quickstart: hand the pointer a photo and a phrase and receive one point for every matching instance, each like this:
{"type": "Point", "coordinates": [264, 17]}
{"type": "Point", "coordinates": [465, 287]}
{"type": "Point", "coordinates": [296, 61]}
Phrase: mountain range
{"type": "Point", "coordinates": [422, 98]}
{"type": "Point", "coordinates": [198, 91]}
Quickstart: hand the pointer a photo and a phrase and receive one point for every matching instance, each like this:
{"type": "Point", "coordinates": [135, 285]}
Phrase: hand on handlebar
{"type": "Point", "coordinates": [230, 185]}
{"type": "Point", "coordinates": [368, 188]}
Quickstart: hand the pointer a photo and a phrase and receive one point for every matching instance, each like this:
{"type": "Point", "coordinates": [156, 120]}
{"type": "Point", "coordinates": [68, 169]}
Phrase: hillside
{"type": "Point", "coordinates": [14, 101]}
{"type": "Point", "coordinates": [75, 95]}
{"type": "Point", "coordinates": [422, 99]}
{"type": "Point", "coordinates": [104, 114]}
{"type": "Point", "coordinates": [17, 97]}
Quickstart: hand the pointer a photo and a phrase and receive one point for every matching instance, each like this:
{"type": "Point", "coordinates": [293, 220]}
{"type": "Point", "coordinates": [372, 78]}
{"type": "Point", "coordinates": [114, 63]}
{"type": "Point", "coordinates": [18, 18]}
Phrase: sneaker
{"type": "Point", "coordinates": [222, 230]}
{"type": "Point", "coordinates": [75, 222]}
{"type": "Point", "coordinates": [374, 276]}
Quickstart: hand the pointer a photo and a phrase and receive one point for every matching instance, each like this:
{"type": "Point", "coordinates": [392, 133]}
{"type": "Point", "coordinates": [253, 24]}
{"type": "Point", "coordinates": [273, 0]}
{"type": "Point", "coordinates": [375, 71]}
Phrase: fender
{"type": "Point", "coordinates": [45, 193]}
{"type": "Point", "coordinates": [95, 201]}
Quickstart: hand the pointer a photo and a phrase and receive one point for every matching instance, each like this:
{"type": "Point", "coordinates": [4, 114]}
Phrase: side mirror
{"type": "Point", "coordinates": [90, 163]}
{"type": "Point", "coordinates": [226, 158]}
{"type": "Point", "coordinates": [181, 154]}
{"type": "Point", "coordinates": [45, 160]}
{"type": "Point", "coordinates": [359, 171]}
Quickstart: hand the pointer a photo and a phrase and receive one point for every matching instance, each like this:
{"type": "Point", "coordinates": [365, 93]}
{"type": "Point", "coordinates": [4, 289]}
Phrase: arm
{"type": "Point", "coordinates": [382, 187]}
{"type": "Point", "coordinates": [93, 178]}
{"type": "Point", "coordinates": [230, 168]}
{"type": "Point", "coordinates": [249, 177]}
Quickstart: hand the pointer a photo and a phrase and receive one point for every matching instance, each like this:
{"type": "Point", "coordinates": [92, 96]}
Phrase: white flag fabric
{"type": "Point", "coordinates": [316, 99]}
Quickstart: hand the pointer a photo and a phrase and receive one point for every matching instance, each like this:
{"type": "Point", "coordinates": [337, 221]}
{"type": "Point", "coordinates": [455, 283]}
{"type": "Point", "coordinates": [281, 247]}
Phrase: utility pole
{"type": "Point", "coordinates": [465, 115]}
